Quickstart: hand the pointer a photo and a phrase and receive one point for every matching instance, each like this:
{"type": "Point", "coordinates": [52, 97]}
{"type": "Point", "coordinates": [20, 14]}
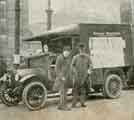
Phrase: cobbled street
{"type": "Point", "coordinates": [97, 108]}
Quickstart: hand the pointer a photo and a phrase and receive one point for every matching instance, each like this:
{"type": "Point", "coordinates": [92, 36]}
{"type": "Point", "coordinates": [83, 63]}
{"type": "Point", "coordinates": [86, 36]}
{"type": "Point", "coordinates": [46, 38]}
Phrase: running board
{"type": "Point", "coordinates": [69, 93]}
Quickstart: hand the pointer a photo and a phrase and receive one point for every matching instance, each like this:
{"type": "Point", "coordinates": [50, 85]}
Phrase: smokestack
{"type": "Point", "coordinates": [49, 12]}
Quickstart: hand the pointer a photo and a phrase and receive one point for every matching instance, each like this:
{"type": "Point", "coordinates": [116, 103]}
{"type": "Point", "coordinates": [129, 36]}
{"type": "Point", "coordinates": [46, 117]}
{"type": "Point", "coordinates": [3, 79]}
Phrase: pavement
{"type": "Point", "coordinates": [97, 108]}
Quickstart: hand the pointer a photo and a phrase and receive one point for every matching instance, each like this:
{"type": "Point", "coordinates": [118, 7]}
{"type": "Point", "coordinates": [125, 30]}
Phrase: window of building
{"type": "Point", "coordinates": [2, 9]}
{"type": "Point", "coordinates": [3, 22]}
{"type": "Point", "coordinates": [3, 26]}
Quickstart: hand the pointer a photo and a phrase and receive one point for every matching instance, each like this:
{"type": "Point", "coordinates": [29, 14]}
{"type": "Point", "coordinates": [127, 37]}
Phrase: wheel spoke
{"type": "Point", "coordinates": [9, 98]}
{"type": "Point", "coordinates": [114, 87]}
{"type": "Point", "coordinates": [35, 96]}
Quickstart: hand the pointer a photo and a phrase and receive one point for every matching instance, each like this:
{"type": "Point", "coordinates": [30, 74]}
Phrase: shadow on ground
{"type": "Point", "coordinates": [51, 102]}
{"type": "Point", "coordinates": [131, 88]}
{"type": "Point", "coordinates": [54, 101]}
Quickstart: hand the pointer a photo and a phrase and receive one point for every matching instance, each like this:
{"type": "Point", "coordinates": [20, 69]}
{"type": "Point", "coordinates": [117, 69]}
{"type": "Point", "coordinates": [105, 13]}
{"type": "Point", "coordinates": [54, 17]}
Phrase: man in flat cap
{"type": "Point", "coordinates": [81, 64]}
{"type": "Point", "coordinates": [63, 76]}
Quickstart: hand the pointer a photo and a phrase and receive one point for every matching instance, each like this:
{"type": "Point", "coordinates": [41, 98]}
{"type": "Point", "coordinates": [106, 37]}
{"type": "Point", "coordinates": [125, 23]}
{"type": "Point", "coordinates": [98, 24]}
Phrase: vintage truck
{"type": "Point", "coordinates": [109, 46]}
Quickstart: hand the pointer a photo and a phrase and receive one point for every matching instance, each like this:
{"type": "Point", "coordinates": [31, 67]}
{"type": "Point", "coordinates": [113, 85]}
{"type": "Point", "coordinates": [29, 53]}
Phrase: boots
{"type": "Point", "coordinates": [64, 107]}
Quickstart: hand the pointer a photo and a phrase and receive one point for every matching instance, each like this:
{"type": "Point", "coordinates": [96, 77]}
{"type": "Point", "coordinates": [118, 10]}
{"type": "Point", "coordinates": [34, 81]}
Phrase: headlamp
{"type": "Point", "coordinates": [17, 77]}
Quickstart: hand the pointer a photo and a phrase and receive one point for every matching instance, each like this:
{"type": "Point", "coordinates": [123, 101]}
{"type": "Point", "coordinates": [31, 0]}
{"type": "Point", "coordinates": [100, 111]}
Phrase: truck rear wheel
{"type": "Point", "coordinates": [35, 95]}
{"type": "Point", "coordinates": [112, 86]}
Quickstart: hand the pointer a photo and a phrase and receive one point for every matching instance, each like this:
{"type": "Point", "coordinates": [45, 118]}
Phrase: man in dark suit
{"type": "Point", "coordinates": [63, 63]}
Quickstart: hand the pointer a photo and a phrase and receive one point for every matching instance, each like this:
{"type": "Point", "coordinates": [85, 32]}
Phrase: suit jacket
{"type": "Point", "coordinates": [63, 69]}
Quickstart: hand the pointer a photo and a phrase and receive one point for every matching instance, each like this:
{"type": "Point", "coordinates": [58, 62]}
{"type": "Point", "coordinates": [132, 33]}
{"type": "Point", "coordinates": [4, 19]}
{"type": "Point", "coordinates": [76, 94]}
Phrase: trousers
{"type": "Point", "coordinates": [78, 94]}
{"type": "Point", "coordinates": [63, 95]}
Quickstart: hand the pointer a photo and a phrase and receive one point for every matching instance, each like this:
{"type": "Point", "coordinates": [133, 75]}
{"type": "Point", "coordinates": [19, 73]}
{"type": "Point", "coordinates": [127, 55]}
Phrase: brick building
{"type": "Point", "coordinates": [7, 26]}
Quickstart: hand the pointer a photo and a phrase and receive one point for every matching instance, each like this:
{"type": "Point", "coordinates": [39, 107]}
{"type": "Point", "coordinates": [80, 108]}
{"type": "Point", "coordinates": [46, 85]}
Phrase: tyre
{"type": "Point", "coordinates": [112, 86]}
{"type": "Point", "coordinates": [8, 97]}
{"type": "Point", "coordinates": [34, 95]}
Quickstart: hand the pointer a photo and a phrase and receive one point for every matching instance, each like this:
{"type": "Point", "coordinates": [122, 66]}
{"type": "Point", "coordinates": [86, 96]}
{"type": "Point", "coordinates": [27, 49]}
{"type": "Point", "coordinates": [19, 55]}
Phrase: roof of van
{"type": "Point", "coordinates": [74, 30]}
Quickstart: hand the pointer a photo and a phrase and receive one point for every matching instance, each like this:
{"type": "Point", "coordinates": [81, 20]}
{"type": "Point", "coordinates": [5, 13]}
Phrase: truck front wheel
{"type": "Point", "coordinates": [8, 97]}
{"type": "Point", "coordinates": [34, 95]}
{"type": "Point", "coordinates": [112, 86]}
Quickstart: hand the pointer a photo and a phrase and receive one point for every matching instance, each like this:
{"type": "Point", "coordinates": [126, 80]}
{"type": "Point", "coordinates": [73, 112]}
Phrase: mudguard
{"type": "Point", "coordinates": [27, 77]}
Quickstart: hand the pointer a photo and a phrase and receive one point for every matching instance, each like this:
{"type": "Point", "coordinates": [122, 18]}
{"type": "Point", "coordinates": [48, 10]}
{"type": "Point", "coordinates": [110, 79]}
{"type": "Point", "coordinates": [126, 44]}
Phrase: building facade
{"type": "Point", "coordinates": [7, 26]}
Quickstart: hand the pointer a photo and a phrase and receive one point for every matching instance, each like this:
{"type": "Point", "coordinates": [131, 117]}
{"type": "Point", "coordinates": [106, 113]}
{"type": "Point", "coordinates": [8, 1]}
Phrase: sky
{"type": "Point", "coordinates": [71, 11]}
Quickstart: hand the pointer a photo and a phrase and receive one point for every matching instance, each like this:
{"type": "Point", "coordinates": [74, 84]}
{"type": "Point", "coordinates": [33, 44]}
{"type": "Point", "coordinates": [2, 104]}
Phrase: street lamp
{"type": "Point", "coordinates": [17, 33]}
